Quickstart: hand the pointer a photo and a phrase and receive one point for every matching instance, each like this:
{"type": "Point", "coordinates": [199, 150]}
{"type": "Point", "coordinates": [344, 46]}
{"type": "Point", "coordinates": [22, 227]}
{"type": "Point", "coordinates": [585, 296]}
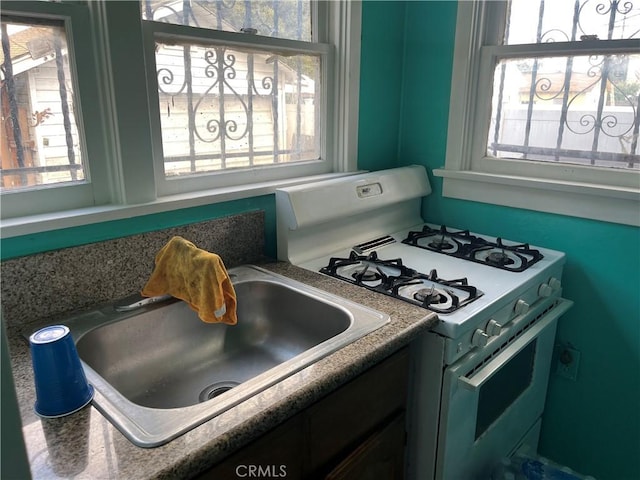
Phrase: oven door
{"type": "Point", "coordinates": [491, 401]}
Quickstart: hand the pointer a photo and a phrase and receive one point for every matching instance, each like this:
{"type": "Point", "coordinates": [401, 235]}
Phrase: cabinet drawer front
{"type": "Point", "coordinates": [380, 456]}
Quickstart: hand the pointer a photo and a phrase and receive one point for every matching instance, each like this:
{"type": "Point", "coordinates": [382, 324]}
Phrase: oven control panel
{"type": "Point", "coordinates": [502, 320]}
{"type": "Point", "coordinates": [480, 337]}
{"type": "Point", "coordinates": [549, 288]}
{"type": "Point", "coordinates": [493, 328]}
{"type": "Point", "coordinates": [521, 307]}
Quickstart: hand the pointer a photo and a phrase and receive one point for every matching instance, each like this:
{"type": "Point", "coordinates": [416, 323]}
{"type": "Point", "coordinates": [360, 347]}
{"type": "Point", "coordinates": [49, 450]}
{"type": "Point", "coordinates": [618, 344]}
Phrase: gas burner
{"type": "Point", "coordinates": [499, 258]}
{"type": "Point", "coordinates": [441, 244]}
{"type": "Point", "coordinates": [515, 258]}
{"type": "Point", "coordinates": [365, 274]}
{"type": "Point", "coordinates": [428, 296]}
{"type": "Point", "coordinates": [392, 278]}
{"type": "Point", "coordinates": [462, 244]}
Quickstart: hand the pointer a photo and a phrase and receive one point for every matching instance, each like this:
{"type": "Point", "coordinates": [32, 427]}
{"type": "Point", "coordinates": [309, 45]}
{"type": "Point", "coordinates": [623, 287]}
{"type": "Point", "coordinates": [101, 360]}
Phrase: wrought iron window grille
{"type": "Point", "coordinates": [614, 122]}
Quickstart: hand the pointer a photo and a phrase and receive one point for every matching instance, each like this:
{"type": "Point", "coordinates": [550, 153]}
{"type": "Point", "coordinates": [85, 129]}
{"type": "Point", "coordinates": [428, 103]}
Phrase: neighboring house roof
{"type": "Point", "coordinates": [551, 85]}
{"type": "Point", "coordinates": [554, 82]}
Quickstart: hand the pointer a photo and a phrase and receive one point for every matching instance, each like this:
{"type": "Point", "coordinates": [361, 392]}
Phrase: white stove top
{"type": "Point", "coordinates": [499, 287]}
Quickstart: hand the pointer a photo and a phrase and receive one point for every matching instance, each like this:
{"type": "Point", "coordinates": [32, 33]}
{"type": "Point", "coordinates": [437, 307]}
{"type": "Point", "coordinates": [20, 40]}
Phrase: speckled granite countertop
{"type": "Point", "coordinates": [86, 445]}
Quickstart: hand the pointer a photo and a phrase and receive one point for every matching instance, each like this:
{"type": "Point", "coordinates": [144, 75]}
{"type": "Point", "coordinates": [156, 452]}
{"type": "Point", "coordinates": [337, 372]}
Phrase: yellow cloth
{"type": "Point", "coordinates": [196, 276]}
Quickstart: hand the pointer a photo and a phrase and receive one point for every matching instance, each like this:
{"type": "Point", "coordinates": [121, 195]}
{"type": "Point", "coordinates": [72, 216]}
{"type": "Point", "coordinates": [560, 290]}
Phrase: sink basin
{"type": "Point", "coordinates": [159, 371]}
{"type": "Point", "coordinates": [169, 358]}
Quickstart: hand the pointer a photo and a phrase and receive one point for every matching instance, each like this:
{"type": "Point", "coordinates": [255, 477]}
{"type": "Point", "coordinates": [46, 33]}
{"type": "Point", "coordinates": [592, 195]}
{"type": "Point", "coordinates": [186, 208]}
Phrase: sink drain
{"type": "Point", "coordinates": [216, 389]}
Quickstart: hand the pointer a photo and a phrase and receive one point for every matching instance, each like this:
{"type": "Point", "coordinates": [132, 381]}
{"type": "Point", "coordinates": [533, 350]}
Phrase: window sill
{"type": "Point", "coordinates": [584, 200]}
{"type": "Point", "coordinates": [14, 227]}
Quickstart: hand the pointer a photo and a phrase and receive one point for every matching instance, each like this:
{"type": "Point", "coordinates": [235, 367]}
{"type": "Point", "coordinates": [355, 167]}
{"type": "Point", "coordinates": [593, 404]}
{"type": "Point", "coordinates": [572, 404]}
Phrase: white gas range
{"type": "Point", "coordinates": [482, 372]}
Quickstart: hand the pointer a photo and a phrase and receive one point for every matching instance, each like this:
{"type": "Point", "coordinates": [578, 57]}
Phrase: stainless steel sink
{"type": "Point", "coordinates": [159, 371]}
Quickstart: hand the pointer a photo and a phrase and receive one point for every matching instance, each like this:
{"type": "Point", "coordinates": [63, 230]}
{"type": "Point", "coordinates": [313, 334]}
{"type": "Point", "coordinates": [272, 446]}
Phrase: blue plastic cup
{"type": "Point", "coordinates": [61, 385]}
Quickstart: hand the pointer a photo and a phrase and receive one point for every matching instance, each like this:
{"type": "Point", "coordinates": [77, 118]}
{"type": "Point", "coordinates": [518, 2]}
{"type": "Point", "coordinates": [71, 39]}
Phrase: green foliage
{"type": "Point", "coordinates": [625, 93]}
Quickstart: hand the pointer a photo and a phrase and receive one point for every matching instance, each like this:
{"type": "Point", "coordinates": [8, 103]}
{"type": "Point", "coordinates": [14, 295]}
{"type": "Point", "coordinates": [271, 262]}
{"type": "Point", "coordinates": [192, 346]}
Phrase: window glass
{"type": "Point", "coordinates": [579, 109]}
{"type": "Point", "coordinates": [570, 20]}
{"type": "Point", "coordinates": [222, 108]}
{"type": "Point", "coordinates": [40, 140]}
{"type": "Point", "coordinates": [280, 18]}
{"type": "Point", "coordinates": [574, 109]}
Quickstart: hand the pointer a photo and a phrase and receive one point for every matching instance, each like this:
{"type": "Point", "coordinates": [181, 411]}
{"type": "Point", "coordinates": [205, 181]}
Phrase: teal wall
{"type": "Point", "coordinates": [592, 424]}
{"type": "Point", "coordinates": [380, 74]}
{"type": "Point", "coordinates": [69, 237]}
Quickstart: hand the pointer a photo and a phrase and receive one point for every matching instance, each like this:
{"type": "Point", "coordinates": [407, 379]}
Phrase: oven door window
{"type": "Point", "coordinates": [499, 392]}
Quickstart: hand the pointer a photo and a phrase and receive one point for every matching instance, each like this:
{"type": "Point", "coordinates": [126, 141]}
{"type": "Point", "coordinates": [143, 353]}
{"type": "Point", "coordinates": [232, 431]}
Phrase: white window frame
{"type": "Point", "coordinates": [129, 165]}
{"type": "Point", "coordinates": [91, 133]}
{"type": "Point", "coordinates": [157, 31]}
{"type": "Point", "coordinates": [588, 192]}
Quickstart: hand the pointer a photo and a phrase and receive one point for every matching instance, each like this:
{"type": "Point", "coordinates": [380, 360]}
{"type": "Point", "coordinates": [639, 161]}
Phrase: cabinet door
{"type": "Point", "coordinates": [277, 454]}
{"type": "Point", "coordinates": [314, 441]}
{"type": "Point", "coordinates": [342, 420]}
{"type": "Point", "coordinates": [380, 456]}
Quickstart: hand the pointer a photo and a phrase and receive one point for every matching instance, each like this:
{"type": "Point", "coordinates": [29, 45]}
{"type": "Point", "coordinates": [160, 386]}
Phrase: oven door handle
{"type": "Point", "coordinates": [481, 376]}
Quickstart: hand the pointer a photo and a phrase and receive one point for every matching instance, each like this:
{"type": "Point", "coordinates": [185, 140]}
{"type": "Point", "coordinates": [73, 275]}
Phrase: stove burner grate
{"type": "Point", "coordinates": [367, 270]}
{"type": "Point", "coordinates": [440, 295]}
{"type": "Point", "coordinates": [462, 244]}
{"type": "Point", "coordinates": [394, 279]}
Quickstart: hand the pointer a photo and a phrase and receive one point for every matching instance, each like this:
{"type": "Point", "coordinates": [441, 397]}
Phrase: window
{"type": "Point", "coordinates": [550, 117]}
{"type": "Point", "coordinates": [176, 103]}
{"type": "Point", "coordinates": [45, 148]}
{"type": "Point", "coordinates": [230, 102]}
{"type": "Point", "coordinates": [37, 107]}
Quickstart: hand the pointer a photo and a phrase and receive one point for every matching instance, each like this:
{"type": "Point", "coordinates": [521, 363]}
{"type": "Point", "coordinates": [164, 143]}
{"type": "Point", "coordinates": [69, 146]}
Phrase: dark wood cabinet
{"type": "Point", "coordinates": [355, 433]}
{"type": "Point", "coordinates": [381, 456]}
